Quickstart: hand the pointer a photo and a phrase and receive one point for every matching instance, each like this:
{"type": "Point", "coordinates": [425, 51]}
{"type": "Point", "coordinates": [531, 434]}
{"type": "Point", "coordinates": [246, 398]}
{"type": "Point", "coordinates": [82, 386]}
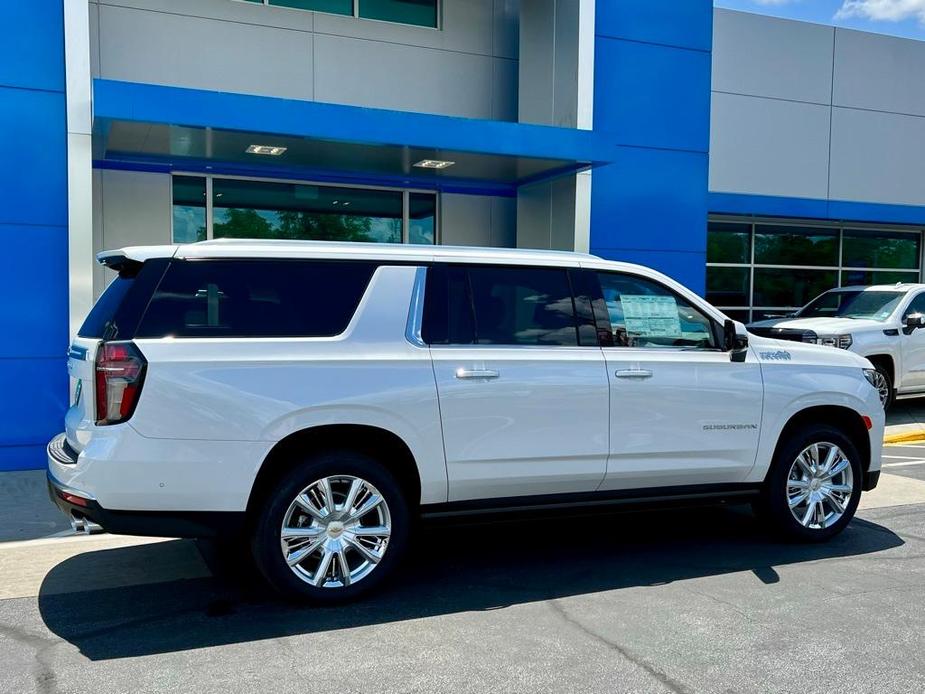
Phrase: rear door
{"type": "Point", "coordinates": [521, 381]}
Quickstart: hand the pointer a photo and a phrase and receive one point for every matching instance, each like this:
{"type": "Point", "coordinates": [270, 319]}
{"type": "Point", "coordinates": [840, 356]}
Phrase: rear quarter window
{"type": "Point", "coordinates": [255, 298]}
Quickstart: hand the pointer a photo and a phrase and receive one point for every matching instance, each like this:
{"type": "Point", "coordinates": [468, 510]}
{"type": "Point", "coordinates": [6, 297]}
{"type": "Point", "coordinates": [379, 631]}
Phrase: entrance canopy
{"type": "Point", "coordinates": [152, 127]}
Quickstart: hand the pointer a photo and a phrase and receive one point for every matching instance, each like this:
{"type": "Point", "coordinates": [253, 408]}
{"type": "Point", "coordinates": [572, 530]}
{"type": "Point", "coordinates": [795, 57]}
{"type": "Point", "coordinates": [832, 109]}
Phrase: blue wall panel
{"type": "Point", "coordinates": [32, 47]}
{"type": "Point", "coordinates": [682, 23]}
{"type": "Point", "coordinates": [34, 399]}
{"type": "Point", "coordinates": [652, 91]}
{"type": "Point", "coordinates": [33, 284]}
{"type": "Point", "coordinates": [653, 204]}
{"type": "Point", "coordinates": [652, 96]}
{"type": "Point", "coordinates": [33, 157]}
{"type": "Point", "coordinates": [33, 231]}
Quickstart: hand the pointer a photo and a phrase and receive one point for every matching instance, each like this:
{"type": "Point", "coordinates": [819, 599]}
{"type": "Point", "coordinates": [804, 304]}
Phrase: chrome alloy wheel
{"type": "Point", "coordinates": [819, 485]}
{"type": "Point", "coordinates": [882, 385]}
{"type": "Point", "coordinates": [336, 531]}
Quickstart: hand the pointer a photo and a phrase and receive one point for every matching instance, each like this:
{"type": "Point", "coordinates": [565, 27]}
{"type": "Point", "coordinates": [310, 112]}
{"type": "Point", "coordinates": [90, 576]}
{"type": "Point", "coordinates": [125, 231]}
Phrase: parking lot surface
{"type": "Point", "coordinates": [695, 600]}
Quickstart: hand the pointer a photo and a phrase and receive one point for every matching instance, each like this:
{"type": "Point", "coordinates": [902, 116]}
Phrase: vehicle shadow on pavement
{"type": "Point", "coordinates": [451, 569]}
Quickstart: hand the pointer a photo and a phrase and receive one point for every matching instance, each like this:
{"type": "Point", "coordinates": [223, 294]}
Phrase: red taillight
{"type": "Point", "coordinates": [120, 372]}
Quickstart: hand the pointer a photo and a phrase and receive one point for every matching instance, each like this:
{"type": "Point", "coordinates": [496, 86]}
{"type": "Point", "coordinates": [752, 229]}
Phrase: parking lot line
{"type": "Point", "coordinates": [910, 462]}
{"type": "Point", "coordinates": [902, 457]}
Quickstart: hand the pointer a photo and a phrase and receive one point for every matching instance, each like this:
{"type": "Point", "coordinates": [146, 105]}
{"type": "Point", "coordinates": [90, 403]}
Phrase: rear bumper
{"type": "Point", "coordinates": [77, 503]}
{"type": "Point", "coordinates": [149, 523]}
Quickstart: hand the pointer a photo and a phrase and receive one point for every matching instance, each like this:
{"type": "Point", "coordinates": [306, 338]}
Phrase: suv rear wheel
{"type": "Point", "coordinates": [814, 485]}
{"type": "Point", "coordinates": [333, 528]}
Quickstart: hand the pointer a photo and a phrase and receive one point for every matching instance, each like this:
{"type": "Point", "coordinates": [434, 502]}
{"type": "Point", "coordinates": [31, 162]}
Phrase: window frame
{"type": "Point", "coordinates": [716, 328]}
{"type": "Point", "coordinates": [406, 201]}
{"type": "Point", "coordinates": [356, 13]}
{"type": "Point", "coordinates": [753, 309]}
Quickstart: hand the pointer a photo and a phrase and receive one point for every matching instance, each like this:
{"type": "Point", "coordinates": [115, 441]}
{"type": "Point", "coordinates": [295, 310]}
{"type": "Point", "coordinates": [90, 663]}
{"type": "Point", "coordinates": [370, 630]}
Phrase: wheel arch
{"type": "Point", "coordinates": [374, 441]}
{"type": "Point", "coordinates": [887, 361]}
{"type": "Point", "coordinates": [842, 418]}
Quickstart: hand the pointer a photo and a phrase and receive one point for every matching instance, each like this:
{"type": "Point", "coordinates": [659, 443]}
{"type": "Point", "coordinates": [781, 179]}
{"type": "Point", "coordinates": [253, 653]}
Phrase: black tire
{"type": "Point", "coordinates": [885, 372]}
{"type": "Point", "coordinates": [265, 537]}
{"type": "Point", "coordinates": [773, 505]}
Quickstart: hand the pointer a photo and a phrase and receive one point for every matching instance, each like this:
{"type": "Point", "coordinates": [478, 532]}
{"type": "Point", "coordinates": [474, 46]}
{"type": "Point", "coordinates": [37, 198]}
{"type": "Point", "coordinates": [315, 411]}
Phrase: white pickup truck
{"type": "Point", "coordinates": [880, 323]}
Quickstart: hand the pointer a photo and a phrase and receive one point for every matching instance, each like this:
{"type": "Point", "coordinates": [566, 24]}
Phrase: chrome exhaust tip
{"type": "Point", "coordinates": [83, 526]}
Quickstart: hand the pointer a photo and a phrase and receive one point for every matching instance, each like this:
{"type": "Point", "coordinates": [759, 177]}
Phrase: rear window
{"type": "Point", "coordinates": [116, 313]}
{"type": "Point", "coordinates": [255, 298]}
{"type": "Point", "coordinates": [102, 315]}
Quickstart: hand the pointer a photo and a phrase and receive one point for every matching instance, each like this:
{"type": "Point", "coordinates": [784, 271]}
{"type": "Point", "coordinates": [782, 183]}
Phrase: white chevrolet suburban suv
{"type": "Point", "coordinates": [882, 323]}
{"type": "Point", "coordinates": [319, 398]}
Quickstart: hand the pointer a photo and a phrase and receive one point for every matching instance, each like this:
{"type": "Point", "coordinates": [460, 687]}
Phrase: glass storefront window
{"type": "Point", "coordinates": [257, 210]}
{"type": "Point", "coordinates": [880, 249]}
{"type": "Point", "coordinates": [332, 6]}
{"type": "Point", "coordinates": [793, 263]}
{"type": "Point", "coordinates": [791, 245]}
{"type": "Point", "coordinates": [189, 209]}
{"type": "Point", "coordinates": [422, 218]}
{"type": "Point", "coordinates": [729, 243]}
{"type": "Point", "coordinates": [792, 288]}
{"type": "Point", "coordinates": [857, 277]}
{"type": "Point", "coordinates": [728, 286]}
{"type": "Point", "coordinates": [425, 13]}
{"type": "Point", "coordinates": [244, 208]}
{"type": "Point", "coordinates": [418, 12]}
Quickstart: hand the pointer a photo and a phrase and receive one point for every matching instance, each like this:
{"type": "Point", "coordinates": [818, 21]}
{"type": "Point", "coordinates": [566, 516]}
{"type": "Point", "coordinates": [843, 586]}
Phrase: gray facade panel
{"type": "Point", "coordinates": [505, 31]}
{"type": "Point", "coordinates": [765, 56]}
{"type": "Point", "coordinates": [877, 157]}
{"type": "Point", "coordinates": [225, 45]}
{"type": "Point", "coordinates": [385, 75]}
{"type": "Point", "coordinates": [478, 220]}
{"type": "Point", "coordinates": [768, 147]}
{"type": "Point", "coordinates": [162, 48]}
{"type": "Point", "coordinates": [876, 72]}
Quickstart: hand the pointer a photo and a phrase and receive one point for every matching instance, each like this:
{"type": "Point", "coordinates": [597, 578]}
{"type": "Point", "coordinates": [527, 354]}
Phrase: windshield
{"type": "Point", "coordinates": [852, 304]}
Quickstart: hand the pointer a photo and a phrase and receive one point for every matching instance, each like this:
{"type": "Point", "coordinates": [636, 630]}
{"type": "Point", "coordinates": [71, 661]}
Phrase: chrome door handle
{"type": "Point", "coordinates": [476, 373]}
{"type": "Point", "coordinates": [633, 373]}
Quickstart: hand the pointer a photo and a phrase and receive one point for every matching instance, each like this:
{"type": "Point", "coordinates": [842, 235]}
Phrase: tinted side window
{"type": "Point", "coordinates": [522, 306]}
{"type": "Point", "coordinates": [917, 305]}
{"type": "Point", "coordinates": [448, 318]}
{"type": "Point", "coordinates": [256, 298]}
{"type": "Point", "coordinates": [643, 313]}
{"type": "Point", "coordinates": [116, 313]}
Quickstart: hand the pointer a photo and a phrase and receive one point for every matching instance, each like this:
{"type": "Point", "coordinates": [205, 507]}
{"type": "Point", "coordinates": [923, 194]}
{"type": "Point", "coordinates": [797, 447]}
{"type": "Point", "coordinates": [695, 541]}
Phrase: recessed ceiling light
{"type": "Point", "coordinates": [265, 149]}
{"type": "Point", "coordinates": [434, 164]}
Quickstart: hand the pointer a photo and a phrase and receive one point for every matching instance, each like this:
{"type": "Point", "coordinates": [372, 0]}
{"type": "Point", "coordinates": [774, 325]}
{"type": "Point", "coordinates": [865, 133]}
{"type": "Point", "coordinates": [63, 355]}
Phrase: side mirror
{"type": "Point", "coordinates": [733, 342]}
{"type": "Point", "coordinates": [914, 320]}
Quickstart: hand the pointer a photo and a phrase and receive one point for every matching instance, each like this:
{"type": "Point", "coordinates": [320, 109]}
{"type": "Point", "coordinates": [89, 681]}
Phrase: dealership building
{"type": "Point", "coordinates": [760, 161]}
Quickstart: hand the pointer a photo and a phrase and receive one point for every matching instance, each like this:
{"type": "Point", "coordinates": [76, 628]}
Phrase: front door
{"type": "Point", "coordinates": [682, 413]}
{"type": "Point", "coordinates": [910, 371]}
{"type": "Point", "coordinates": [524, 405]}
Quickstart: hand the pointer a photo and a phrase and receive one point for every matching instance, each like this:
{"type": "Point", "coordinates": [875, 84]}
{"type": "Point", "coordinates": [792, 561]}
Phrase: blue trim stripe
{"type": "Point", "coordinates": [809, 208]}
{"type": "Point", "coordinates": [149, 103]}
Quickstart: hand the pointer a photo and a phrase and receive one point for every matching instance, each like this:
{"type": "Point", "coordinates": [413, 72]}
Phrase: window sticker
{"type": "Point", "coordinates": [651, 316]}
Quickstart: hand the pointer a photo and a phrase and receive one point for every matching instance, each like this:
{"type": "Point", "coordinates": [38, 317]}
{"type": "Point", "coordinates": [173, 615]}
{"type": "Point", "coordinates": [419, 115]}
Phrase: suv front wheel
{"type": "Point", "coordinates": [333, 528]}
{"type": "Point", "coordinates": [814, 485]}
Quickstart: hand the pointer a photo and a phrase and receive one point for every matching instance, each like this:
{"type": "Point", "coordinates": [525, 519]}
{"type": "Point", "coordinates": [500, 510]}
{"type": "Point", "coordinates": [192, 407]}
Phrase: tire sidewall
{"type": "Point", "coordinates": [265, 538]}
{"type": "Point", "coordinates": [775, 493]}
{"type": "Point", "coordinates": [883, 371]}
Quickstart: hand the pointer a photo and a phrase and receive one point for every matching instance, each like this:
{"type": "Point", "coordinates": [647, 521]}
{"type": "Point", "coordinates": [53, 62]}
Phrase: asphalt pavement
{"type": "Point", "coordinates": [697, 600]}
{"type": "Point", "coordinates": [692, 600]}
